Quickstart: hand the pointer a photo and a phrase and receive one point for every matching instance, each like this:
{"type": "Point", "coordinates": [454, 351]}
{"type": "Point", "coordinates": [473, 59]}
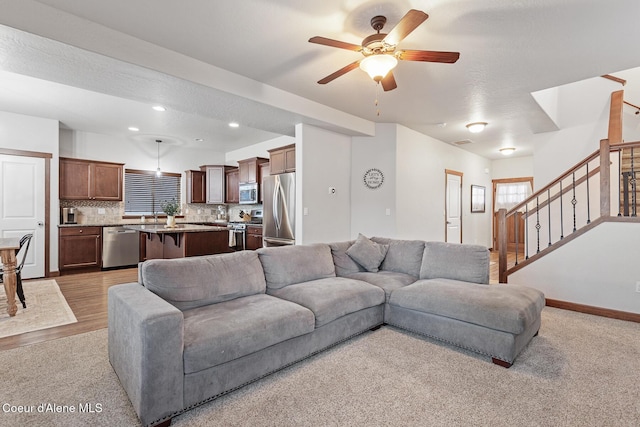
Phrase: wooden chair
{"type": "Point", "coordinates": [25, 241]}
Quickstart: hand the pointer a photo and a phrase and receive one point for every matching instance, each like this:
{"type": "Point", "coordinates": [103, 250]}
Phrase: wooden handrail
{"type": "Point", "coordinates": [587, 159]}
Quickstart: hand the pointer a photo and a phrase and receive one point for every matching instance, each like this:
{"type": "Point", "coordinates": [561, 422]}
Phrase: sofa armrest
{"type": "Point", "coordinates": [469, 263]}
{"type": "Point", "coordinates": [146, 340]}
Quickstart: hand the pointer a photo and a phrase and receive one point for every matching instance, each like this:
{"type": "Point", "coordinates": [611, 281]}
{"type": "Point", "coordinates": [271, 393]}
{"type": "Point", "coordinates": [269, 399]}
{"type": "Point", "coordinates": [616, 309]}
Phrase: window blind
{"type": "Point", "coordinates": [144, 192]}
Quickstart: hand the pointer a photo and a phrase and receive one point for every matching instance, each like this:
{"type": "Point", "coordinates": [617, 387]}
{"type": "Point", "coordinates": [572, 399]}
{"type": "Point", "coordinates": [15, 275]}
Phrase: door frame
{"type": "Point", "coordinates": [460, 174]}
{"type": "Point", "coordinates": [47, 197]}
{"type": "Point", "coordinates": [494, 227]}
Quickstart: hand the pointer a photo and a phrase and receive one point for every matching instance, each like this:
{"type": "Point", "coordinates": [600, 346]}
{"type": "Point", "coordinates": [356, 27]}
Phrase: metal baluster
{"type": "Point", "coordinates": [538, 226]}
{"type": "Point", "coordinates": [517, 220]}
{"type": "Point", "coordinates": [549, 212]}
{"type": "Point", "coordinates": [619, 178]}
{"type": "Point", "coordinates": [526, 231]}
{"type": "Point", "coordinates": [561, 217]}
{"type": "Point", "coordinates": [633, 187]}
{"type": "Point", "coordinates": [588, 204]}
{"type": "Point", "coordinates": [574, 202]}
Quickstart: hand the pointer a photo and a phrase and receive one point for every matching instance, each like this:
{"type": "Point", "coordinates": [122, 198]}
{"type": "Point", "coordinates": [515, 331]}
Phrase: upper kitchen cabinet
{"type": "Point", "coordinates": [90, 180]}
{"type": "Point", "coordinates": [283, 159]}
{"type": "Point", "coordinates": [249, 169]}
{"type": "Point", "coordinates": [196, 186]}
{"type": "Point", "coordinates": [233, 189]}
{"type": "Point", "coordinates": [215, 183]}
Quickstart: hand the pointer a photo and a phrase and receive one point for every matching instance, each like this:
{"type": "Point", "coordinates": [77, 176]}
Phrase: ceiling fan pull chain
{"type": "Point", "coordinates": [376, 101]}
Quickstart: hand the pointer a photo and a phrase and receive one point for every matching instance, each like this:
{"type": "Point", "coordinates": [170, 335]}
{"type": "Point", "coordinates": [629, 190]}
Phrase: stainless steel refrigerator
{"type": "Point", "coordinates": [279, 210]}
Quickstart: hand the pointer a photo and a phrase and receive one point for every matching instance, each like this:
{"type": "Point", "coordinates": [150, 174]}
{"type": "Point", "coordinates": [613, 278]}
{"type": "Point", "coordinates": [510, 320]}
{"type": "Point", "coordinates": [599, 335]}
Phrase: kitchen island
{"type": "Point", "coordinates": [183, 240]}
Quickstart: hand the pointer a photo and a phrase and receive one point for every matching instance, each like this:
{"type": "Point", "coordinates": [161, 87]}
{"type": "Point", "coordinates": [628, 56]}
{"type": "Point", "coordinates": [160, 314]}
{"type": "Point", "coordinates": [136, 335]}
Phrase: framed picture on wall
{"type": "Point", "coordinates": [477, 198]}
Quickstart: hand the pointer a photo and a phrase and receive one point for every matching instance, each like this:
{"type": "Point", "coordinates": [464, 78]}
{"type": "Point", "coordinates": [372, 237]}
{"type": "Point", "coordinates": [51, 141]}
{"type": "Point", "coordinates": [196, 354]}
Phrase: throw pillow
{"type": "Point", "coordinates": [367, 253]}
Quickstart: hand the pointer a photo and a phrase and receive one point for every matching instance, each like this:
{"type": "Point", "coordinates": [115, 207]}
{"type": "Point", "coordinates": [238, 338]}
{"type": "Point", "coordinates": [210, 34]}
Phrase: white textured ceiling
{"type": "Point", "coordinates": [211, 62]}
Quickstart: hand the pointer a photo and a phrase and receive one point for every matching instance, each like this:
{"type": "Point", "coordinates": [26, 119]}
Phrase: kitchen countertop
{"type": "Point", "coordinates": [147, 224]}
{"type": "Point", "coordinates": [179, 228]}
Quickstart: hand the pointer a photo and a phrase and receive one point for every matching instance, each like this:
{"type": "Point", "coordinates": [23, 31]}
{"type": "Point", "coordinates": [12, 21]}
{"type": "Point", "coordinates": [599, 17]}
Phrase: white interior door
{"type": "Point", "coordinates": [22, 200]}
{"type": "Point", "coordinates": [453, 207]}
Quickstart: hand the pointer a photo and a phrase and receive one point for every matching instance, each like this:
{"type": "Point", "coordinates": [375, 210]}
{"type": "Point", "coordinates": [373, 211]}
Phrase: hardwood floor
{"type": "Point", "coordinates": [86, 294]}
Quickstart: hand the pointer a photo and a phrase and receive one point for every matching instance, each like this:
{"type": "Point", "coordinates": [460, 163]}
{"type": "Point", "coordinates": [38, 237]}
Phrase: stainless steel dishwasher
{"type": "Point", "coordinates": [120, 247]}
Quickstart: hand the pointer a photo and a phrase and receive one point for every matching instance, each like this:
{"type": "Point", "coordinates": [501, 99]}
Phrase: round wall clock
{"type": "Point", "coordinates": [373, 178]}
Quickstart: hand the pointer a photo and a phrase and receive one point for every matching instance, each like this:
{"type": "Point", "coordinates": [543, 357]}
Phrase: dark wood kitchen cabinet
{"type": "Point", "coordinates": [264, 172]}
{"type": "Point", "coordinates": [80, 248]}
{"type": "Point", "coordinates": [90, 180]}
{"type": "Point", "coordinates": [249, 169]}
{"type": "Point", "coordinates": [283, 159]}
{"type": "Point", "coordinates": [232, 183]}
{"type": "Point", "coordinates": [196, 186]}
{"type": "Point", "coordinates": [254, 237]}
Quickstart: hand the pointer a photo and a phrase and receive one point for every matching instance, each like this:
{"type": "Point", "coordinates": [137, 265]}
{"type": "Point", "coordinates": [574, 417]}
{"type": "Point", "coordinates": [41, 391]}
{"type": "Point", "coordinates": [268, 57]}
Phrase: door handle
{"type": "Point", "coordinates": [448, 222]}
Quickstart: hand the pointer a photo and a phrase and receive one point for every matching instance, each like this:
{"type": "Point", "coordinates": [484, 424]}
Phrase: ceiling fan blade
{"type": "Point", "coordinates": [335, 43]}
{"type": "Point", "coordinates": [389, 82]}
{"type": "Point", "coordinates": [341, 71]}
{"type": "Point", "coordinates": [407, 24]}
{"type": "Point", "coordinates": [428, 56]}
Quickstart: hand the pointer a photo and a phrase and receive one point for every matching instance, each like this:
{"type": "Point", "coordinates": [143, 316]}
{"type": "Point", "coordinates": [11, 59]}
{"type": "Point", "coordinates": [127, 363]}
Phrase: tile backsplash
{"type": "Point", "coordinates": [101, 212]}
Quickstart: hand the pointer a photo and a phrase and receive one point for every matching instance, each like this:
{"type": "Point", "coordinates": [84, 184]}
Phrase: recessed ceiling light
{"type": "Point", "coordinates": [199, 139]}
{"type": "Point", "coordinates": [476, 127]}
{"type": "Point", "coordinates": [234, 125]}
{"type": "Point", "coordinates": [159, 108]}
{"type": "Point", "coordinates": [506, 151]}
{"type": "Point", "coordinates": [133, 129]}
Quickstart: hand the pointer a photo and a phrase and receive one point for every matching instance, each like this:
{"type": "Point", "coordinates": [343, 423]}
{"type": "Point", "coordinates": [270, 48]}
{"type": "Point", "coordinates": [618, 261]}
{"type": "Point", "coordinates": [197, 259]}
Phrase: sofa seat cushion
{"type": "Point", "coordinates": [287, 265]}
{"type": "Point", "coordinates": [403, 256]}
{"type": "Point", "coordinates": [199, 281]}
{"type": "Point", "coordinates": [332, 298]}
{"type": "Point", "coordinates": [508, 308]}
{"type": "Point", "coordinates": [218, 333]}
{"type": "Point", "coordinates": [387, 280]}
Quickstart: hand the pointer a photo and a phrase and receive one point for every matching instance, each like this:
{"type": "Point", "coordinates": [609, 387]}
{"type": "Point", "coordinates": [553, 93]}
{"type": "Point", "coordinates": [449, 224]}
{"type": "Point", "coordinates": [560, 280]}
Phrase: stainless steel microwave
{"type": "Point", "coordinates": [249, 193]}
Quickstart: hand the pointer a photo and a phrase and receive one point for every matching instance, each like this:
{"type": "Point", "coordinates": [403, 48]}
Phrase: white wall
{"type": "Point", "coordinates": [19, 132]}
{"type": "Point", "coordinates": [369, 206]}
{"type": "Point", "coordinates": [512, 167]}
{"type": "Point", "coordinates": [420, 197]}
{"type": "Point", "coordinates": [323, 160]}
{"type": "Point", "coordinates": [562, 274]}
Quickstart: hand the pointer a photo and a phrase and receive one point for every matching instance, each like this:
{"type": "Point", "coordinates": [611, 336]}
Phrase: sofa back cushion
{"type": "Point", "coordinates": [344, 264]}
{"type": "Point", "coordinates": [197, 281]}
{"type": "Point", "coordinates": [403, 256]}
{"type": "Point", "coordinates": [469, 263]}
{"type": "Point", "coordinates": [288, 265]}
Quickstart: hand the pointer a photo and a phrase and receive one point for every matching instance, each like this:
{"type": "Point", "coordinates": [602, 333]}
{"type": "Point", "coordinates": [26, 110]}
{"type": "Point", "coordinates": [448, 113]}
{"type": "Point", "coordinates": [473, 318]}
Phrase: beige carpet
{"type": "Point", "coordinates": [581, 370]}
{"type": "Point", "coordinates": [46, 308]}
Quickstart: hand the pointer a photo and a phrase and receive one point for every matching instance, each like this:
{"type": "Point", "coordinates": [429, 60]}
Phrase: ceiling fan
{"type": "Point", "coordinates": [380, 50]}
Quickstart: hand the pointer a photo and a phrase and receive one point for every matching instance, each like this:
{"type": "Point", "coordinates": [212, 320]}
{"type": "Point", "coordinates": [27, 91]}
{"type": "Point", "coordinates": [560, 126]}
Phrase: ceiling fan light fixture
{"type": "Point", "coordinates": [476, 127]}
{"type": "Point", "coordinates": [507, 151]}
{"type": "Point", "coordinates": [378, 66]}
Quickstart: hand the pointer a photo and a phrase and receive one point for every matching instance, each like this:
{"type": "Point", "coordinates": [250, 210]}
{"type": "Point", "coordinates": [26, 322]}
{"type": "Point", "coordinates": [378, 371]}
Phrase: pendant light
{"type": "Point", "coordinates": [158, 171]}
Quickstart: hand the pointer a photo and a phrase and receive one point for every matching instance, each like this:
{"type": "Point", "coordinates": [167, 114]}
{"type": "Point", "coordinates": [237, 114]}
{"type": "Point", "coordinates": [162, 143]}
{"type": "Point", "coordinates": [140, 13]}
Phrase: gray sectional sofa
{"type": "Point", "coordinates": [196, 328]}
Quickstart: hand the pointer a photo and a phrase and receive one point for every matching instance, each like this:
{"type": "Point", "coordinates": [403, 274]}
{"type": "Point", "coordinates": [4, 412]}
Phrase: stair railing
{"type": "Point", "coordinates": [566, 207]}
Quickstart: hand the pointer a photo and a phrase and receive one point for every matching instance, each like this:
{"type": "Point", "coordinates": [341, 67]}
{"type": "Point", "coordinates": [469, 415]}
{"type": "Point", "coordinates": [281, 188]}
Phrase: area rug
{"type": "Point", "coordinates": [46, 308]}
{"type": "Point", "coordinates": [580, 371]}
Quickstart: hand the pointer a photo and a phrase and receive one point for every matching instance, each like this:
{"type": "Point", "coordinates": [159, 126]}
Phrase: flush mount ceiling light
{"type": "Point", "coordinates": [234, 125]}
{"type": "Point", "coordinates": [378, 66]}
{"type": "Point", "coordinates": [506, 151]}
{"type": "Point", "coordinates": [159, 108]}
{"type": "Point", "coordinates": [133, 129]}
{"type": "Point", "coordinates": [476, 127]}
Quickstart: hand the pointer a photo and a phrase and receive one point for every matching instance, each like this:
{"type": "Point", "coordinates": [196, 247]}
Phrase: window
{"type": "Point", "coordinates": [510, 194]}
{"type": "Point", "coordinates": [144, 192]}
